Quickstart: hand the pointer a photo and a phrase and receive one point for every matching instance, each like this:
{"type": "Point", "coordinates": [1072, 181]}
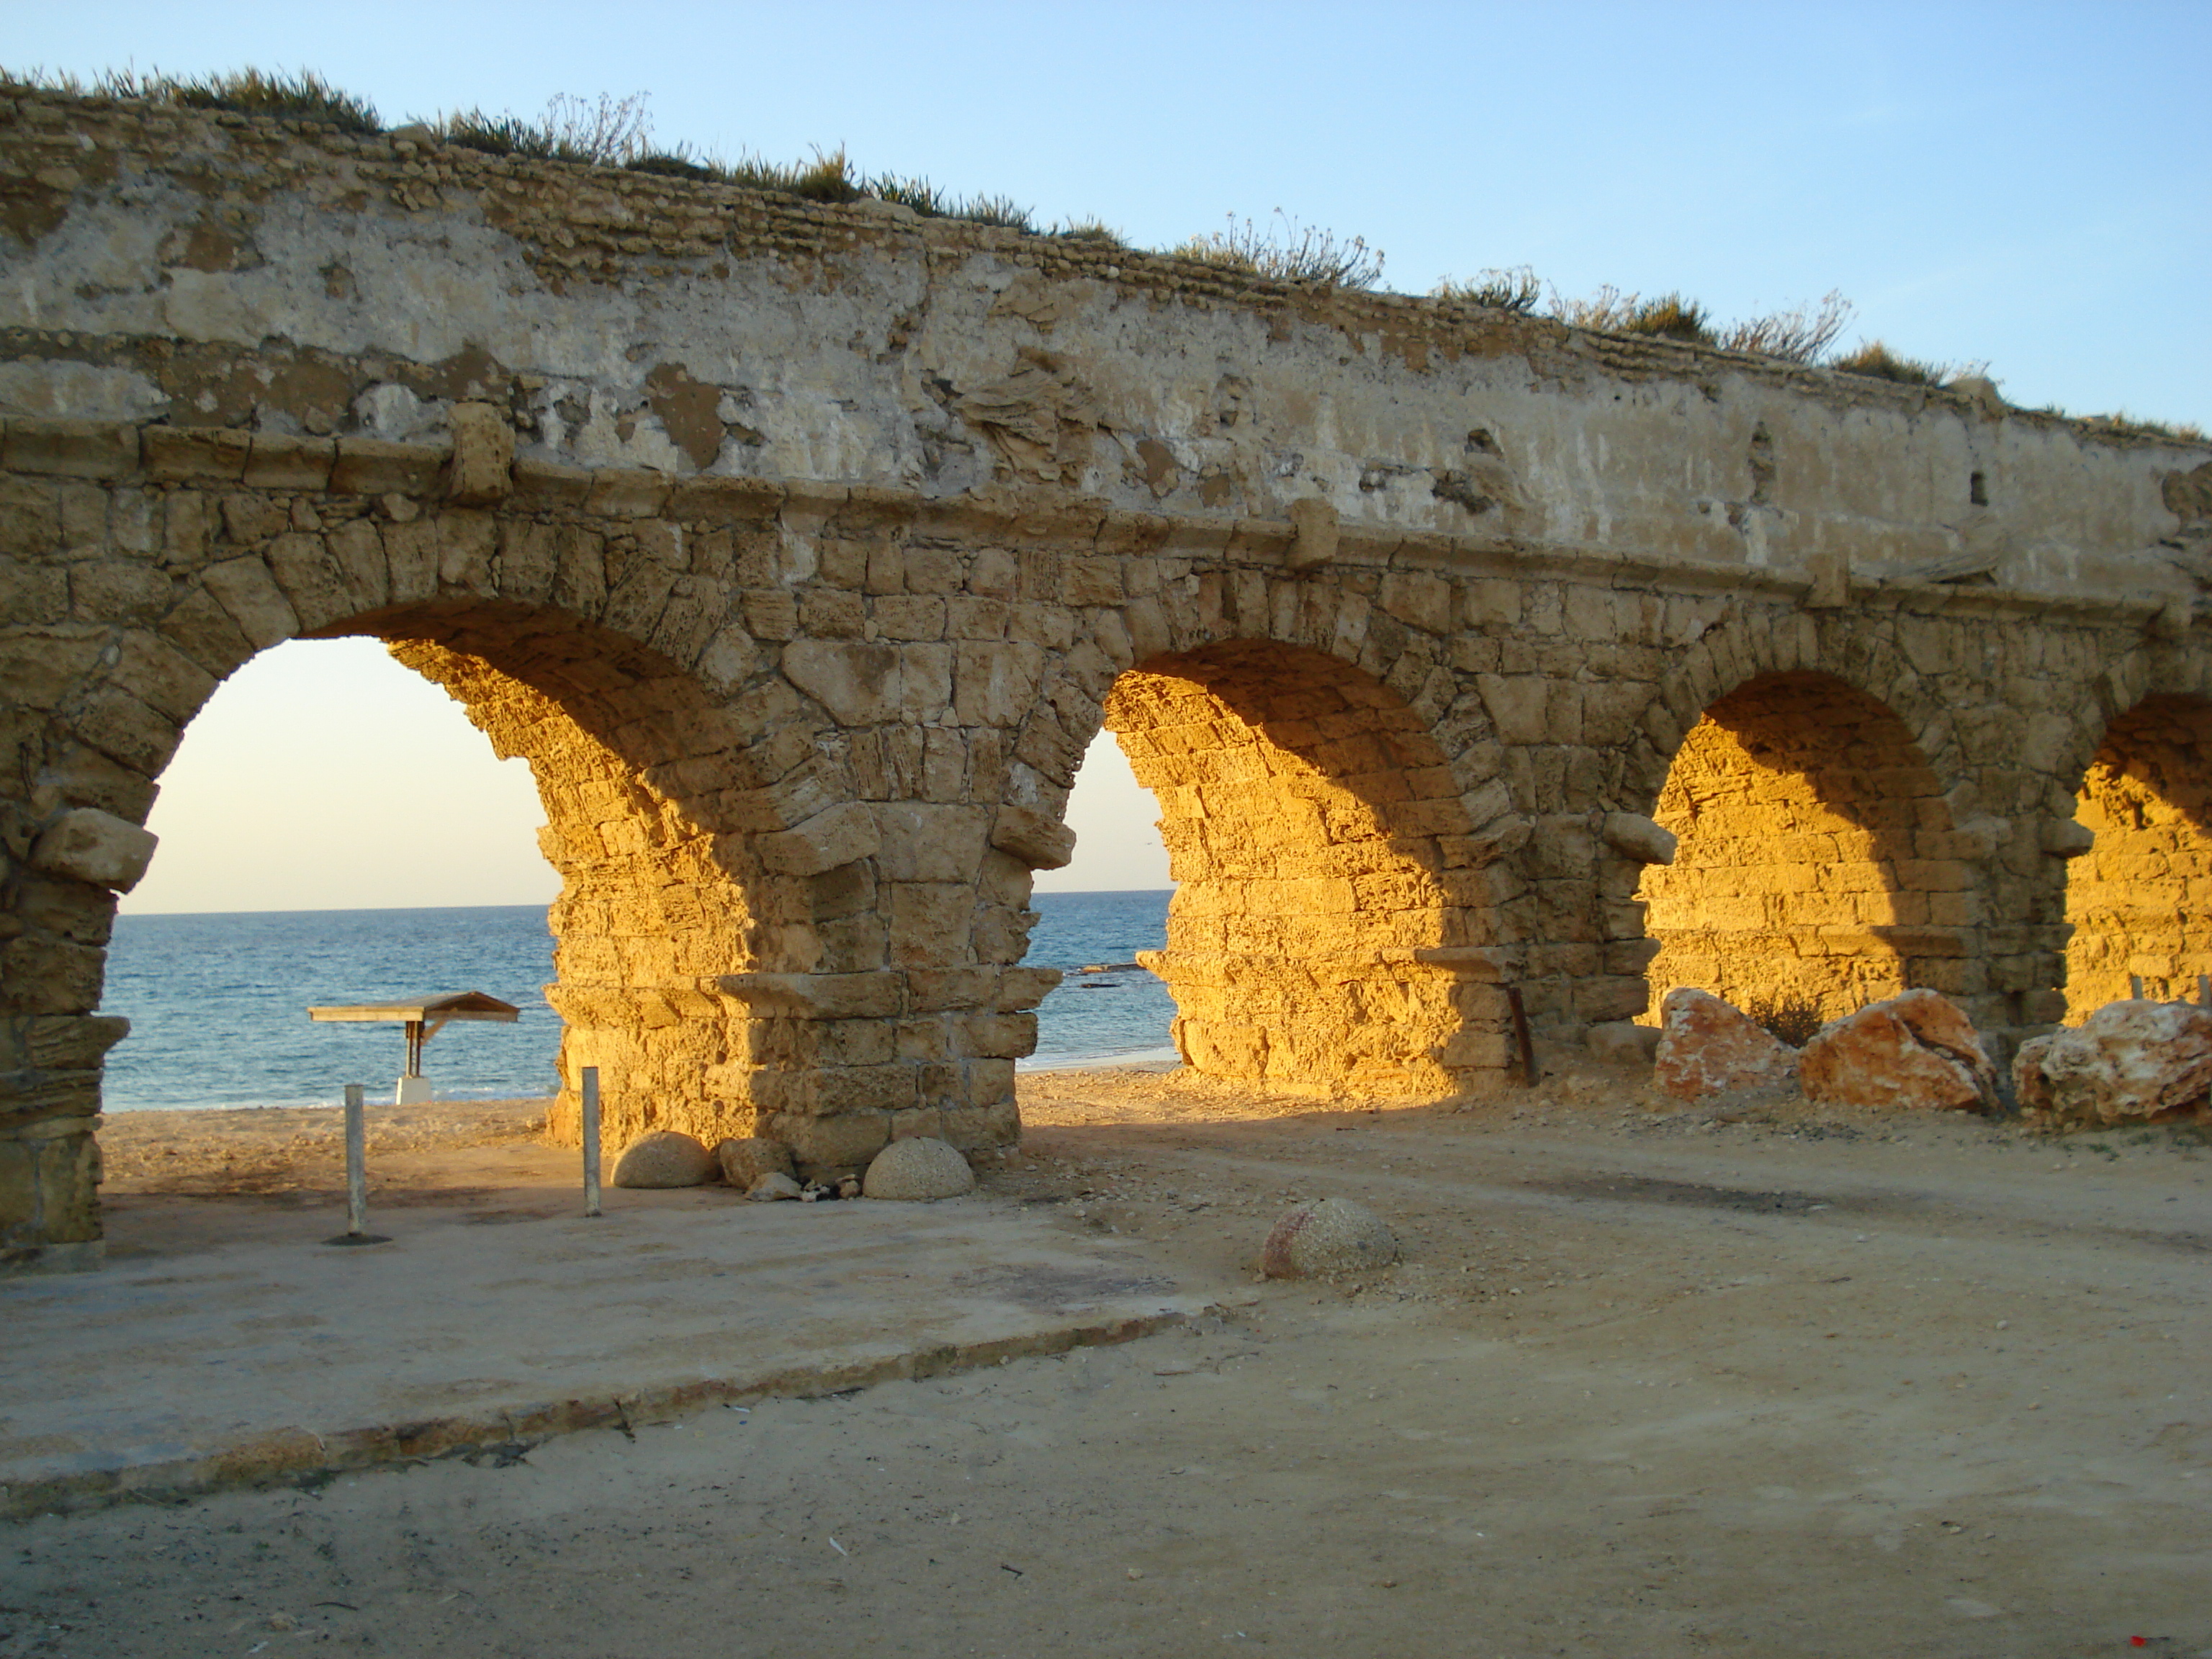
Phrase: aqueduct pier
{"type": "Point", "coordinates": [802, 550]}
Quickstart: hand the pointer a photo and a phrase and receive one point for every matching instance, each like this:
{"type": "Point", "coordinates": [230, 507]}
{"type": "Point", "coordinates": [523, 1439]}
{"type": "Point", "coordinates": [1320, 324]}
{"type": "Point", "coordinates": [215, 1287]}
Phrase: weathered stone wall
{"type": "Point", "coordinates": [803, 551]}
{"type": "Point", "coordinates": [1818, 859]}
{"type": "Point", "coordinates": [2140, 902]}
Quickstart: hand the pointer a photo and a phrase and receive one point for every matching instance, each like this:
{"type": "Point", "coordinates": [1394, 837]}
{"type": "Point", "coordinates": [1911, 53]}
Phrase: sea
{"type": "Point", "coordinates": [218, 1004]}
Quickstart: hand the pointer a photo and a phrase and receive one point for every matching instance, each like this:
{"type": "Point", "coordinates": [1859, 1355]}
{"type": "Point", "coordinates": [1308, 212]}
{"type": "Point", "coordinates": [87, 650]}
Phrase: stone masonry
{"type": "Point", "coordinates": [802, 551]}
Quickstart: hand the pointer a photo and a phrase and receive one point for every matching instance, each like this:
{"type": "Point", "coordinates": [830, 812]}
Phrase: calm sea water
{"type": "Point", "coordinates": [218, 1004]}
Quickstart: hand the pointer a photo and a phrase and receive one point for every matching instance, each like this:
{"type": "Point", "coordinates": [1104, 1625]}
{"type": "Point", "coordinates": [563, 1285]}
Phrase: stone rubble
{"type": "Point", "coordinates": [1707, 1048]}
{"type": "Point", "coordinates": [1916, 1052]}
{"type": "Point", "coordinates": [2128, 1063]}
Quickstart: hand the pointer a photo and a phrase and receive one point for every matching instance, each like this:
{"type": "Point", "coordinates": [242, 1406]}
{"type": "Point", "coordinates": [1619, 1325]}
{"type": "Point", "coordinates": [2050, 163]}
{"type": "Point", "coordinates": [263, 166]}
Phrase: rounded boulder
{"type": "Point", "coordinates": [920, 1169]}
{"type": "Point", "coordinates": [666, 1158]}
{"type": "Point", "coordinates": [1336, 1235]}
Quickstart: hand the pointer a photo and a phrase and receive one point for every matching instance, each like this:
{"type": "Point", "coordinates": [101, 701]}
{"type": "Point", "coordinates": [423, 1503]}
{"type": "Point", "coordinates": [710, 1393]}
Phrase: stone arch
{"type": "Point", "coordinates": [1332, 927]}
{"type": "Point", "coordinates": [1817, 858]}
{"type": "Point", "coordinates": [704, 827]}
{"type": "Point", "coordinates": [2140, 899]}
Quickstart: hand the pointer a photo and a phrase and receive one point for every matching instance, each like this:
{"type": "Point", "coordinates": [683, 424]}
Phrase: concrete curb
{"type": "Point", "coordinates": [293, 1456]}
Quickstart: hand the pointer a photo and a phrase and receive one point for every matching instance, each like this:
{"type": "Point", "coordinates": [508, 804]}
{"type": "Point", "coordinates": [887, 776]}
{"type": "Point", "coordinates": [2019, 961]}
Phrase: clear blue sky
{"type": "Point", "coordinates": [2023, 184]}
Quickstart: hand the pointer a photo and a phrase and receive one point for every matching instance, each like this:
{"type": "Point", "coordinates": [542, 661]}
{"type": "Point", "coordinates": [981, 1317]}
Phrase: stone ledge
{"type": "Point", "coordinates": [293, 1456]}
{"type": "Point", "coordinates": [91, 449]}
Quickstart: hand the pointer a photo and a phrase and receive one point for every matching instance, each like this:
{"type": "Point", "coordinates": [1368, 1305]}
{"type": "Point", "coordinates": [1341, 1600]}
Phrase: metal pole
{"type": "Point", "coordinates": [356, 1154]}
{"type": "Point", "coordinates": [590, 1091]}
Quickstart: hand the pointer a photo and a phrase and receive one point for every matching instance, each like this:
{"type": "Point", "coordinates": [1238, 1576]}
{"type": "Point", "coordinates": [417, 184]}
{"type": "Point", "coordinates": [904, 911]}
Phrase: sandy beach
{"type": "Point", "coordinates": [1760, 1378]}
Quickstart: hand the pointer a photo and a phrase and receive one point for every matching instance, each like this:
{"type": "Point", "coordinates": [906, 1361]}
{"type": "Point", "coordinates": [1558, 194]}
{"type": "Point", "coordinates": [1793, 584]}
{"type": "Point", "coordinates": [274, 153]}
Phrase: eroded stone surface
{"type": "Point", "coordinates": [745, 1161]}
{"type": "Point", "coordinates": [1914, 1052]}
{"type": "Point", "coordinates": [2128, 1062]}
{"type": "Point", "coordinates": [1707, 1048]}
{"type": "Point", "coordinates": [918, 1167]}
{"type": "Point", "coordinates": [1333, 1236]}
{"type": "Point", "coordinates": [665, 1157]}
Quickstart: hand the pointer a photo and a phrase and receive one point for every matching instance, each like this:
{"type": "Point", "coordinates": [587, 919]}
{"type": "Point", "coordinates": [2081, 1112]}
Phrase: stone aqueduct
{"type": "Point", "coordinates": [802, 551]}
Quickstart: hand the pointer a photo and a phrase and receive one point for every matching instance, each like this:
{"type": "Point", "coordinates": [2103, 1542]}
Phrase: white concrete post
{"type": "Point", "coordinates": [590, 1092]}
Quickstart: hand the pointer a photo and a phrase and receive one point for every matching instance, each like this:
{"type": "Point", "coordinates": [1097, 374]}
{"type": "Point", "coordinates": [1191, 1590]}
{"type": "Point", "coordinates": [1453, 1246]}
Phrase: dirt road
{"type": "Point", "coordinates": [1768, 1381]}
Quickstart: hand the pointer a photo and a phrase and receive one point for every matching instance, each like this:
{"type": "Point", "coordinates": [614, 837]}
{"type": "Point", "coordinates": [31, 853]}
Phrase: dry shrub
{"type": "Point", "coordinates": [1507, 288]}
{"type": "Point", "coordinates": [1790, 1017]}
{"type": "Point", "coordinates": [1287, 252]}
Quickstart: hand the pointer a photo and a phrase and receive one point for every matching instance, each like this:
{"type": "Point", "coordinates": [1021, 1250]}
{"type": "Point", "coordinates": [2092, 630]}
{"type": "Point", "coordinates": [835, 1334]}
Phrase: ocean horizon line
{"type": "Point", "coordinates": [420, 909]}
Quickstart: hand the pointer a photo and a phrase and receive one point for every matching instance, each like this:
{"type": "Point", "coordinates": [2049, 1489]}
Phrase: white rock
{"type": "Point", "coordinates": [665, 1157]}
{"type": "Point", "coordinates": [919, 1168]}
{"type": "Point", "coordinates": [772, 1186]}
{"type": "Point", "coordinates": [1333, 1236]}
{"type": "Point", "coordinates": [89, 845]}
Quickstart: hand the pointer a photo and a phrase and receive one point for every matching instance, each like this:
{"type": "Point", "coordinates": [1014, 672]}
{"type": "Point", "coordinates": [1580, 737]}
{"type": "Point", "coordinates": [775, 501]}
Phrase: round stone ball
{"type": "Point", "coordinates": [922, 1168]}
{"type": "Point", "coordinates": [1336, 1235]}
{"type": "Point", "coordinates": [666, 1158]}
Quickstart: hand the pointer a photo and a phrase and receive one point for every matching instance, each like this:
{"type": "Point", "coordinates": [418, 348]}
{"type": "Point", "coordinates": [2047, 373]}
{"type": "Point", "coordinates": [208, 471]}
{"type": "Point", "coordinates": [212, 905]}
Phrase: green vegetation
{"type": "Point", "coordinates": [2187, 432]}
{"type": "Point", "coordinates": [1876, 360]}
{"type": "Point", "coordinates": [300, 96]}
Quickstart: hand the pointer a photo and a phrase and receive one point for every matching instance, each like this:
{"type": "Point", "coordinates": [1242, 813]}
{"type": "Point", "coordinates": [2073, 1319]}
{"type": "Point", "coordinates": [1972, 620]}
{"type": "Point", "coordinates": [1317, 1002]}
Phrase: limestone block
{"type": "Point", "coordinates": [858, 682]}
{"type": "Point", "coordinates": [72, 449]}
{"type": "Point", "coordinates": [1707, 1048]}
{"type": "Point", "coordinates": [1036, 840]}
{"type": "Point", "coordinates": [843, 1144]}
{"type": "Point", "coordinates": [918, 1169]}
{"type": "Point", "coordinates": [836, 835]}
{"type": "Point", "coordinates": [1916, 1052]}
{"type": "Point", "coordinates": [482, 470]}
{"type": "Point", "coordinates": [665, 1157]}
{"type": "Point", "coordinates": [1623, 1043]}
{"type": "Point", "coordinates": [2064, 838]}
{"type": "Point", "coordinates": [927, 841]}
{"type": "Point", "coordinates": [89, 845]}
{"type": "Point", "coordinates": [2130, 1062]}
{"type": "Point", "coordinates": [1335, 1236]}
{"type": "Point", "coordinates": [745, 1161]}
{"type": "Point", "coordinates": [1314, 533]}
{"type": "Point", "coordinates": [1640, 838]}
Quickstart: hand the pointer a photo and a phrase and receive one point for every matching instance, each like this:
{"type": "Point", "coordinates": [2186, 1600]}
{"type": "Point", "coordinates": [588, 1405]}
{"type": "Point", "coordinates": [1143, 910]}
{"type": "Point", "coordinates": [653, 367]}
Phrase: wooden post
{"type": "Point", "coordinates": [590, 1093]}
{"type": "Point", "coordinates": [2134, 986]}
{"type": "Point", "coordinates": [356, 1157]}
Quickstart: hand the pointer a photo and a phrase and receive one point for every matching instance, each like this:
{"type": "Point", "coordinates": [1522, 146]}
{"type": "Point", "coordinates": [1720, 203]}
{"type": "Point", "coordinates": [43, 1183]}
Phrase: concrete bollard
{"type": "Point", "coordinates": [356, 1157]}
{"type": "Point", "coordinates": [590, 1093]}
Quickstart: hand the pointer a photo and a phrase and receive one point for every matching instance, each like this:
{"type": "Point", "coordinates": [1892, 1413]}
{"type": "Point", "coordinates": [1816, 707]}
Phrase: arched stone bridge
{"type": "Point", "coordinates": [802, 551]}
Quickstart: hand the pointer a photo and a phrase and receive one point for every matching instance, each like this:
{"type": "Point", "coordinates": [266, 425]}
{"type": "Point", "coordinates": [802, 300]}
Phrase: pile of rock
{"type": "Point", "coordinates": [917, 1168]}
{"type": "Point", "coordinates": [1915, 1052]}
{"type": "Point", "coordinates": [2130, 1062]}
